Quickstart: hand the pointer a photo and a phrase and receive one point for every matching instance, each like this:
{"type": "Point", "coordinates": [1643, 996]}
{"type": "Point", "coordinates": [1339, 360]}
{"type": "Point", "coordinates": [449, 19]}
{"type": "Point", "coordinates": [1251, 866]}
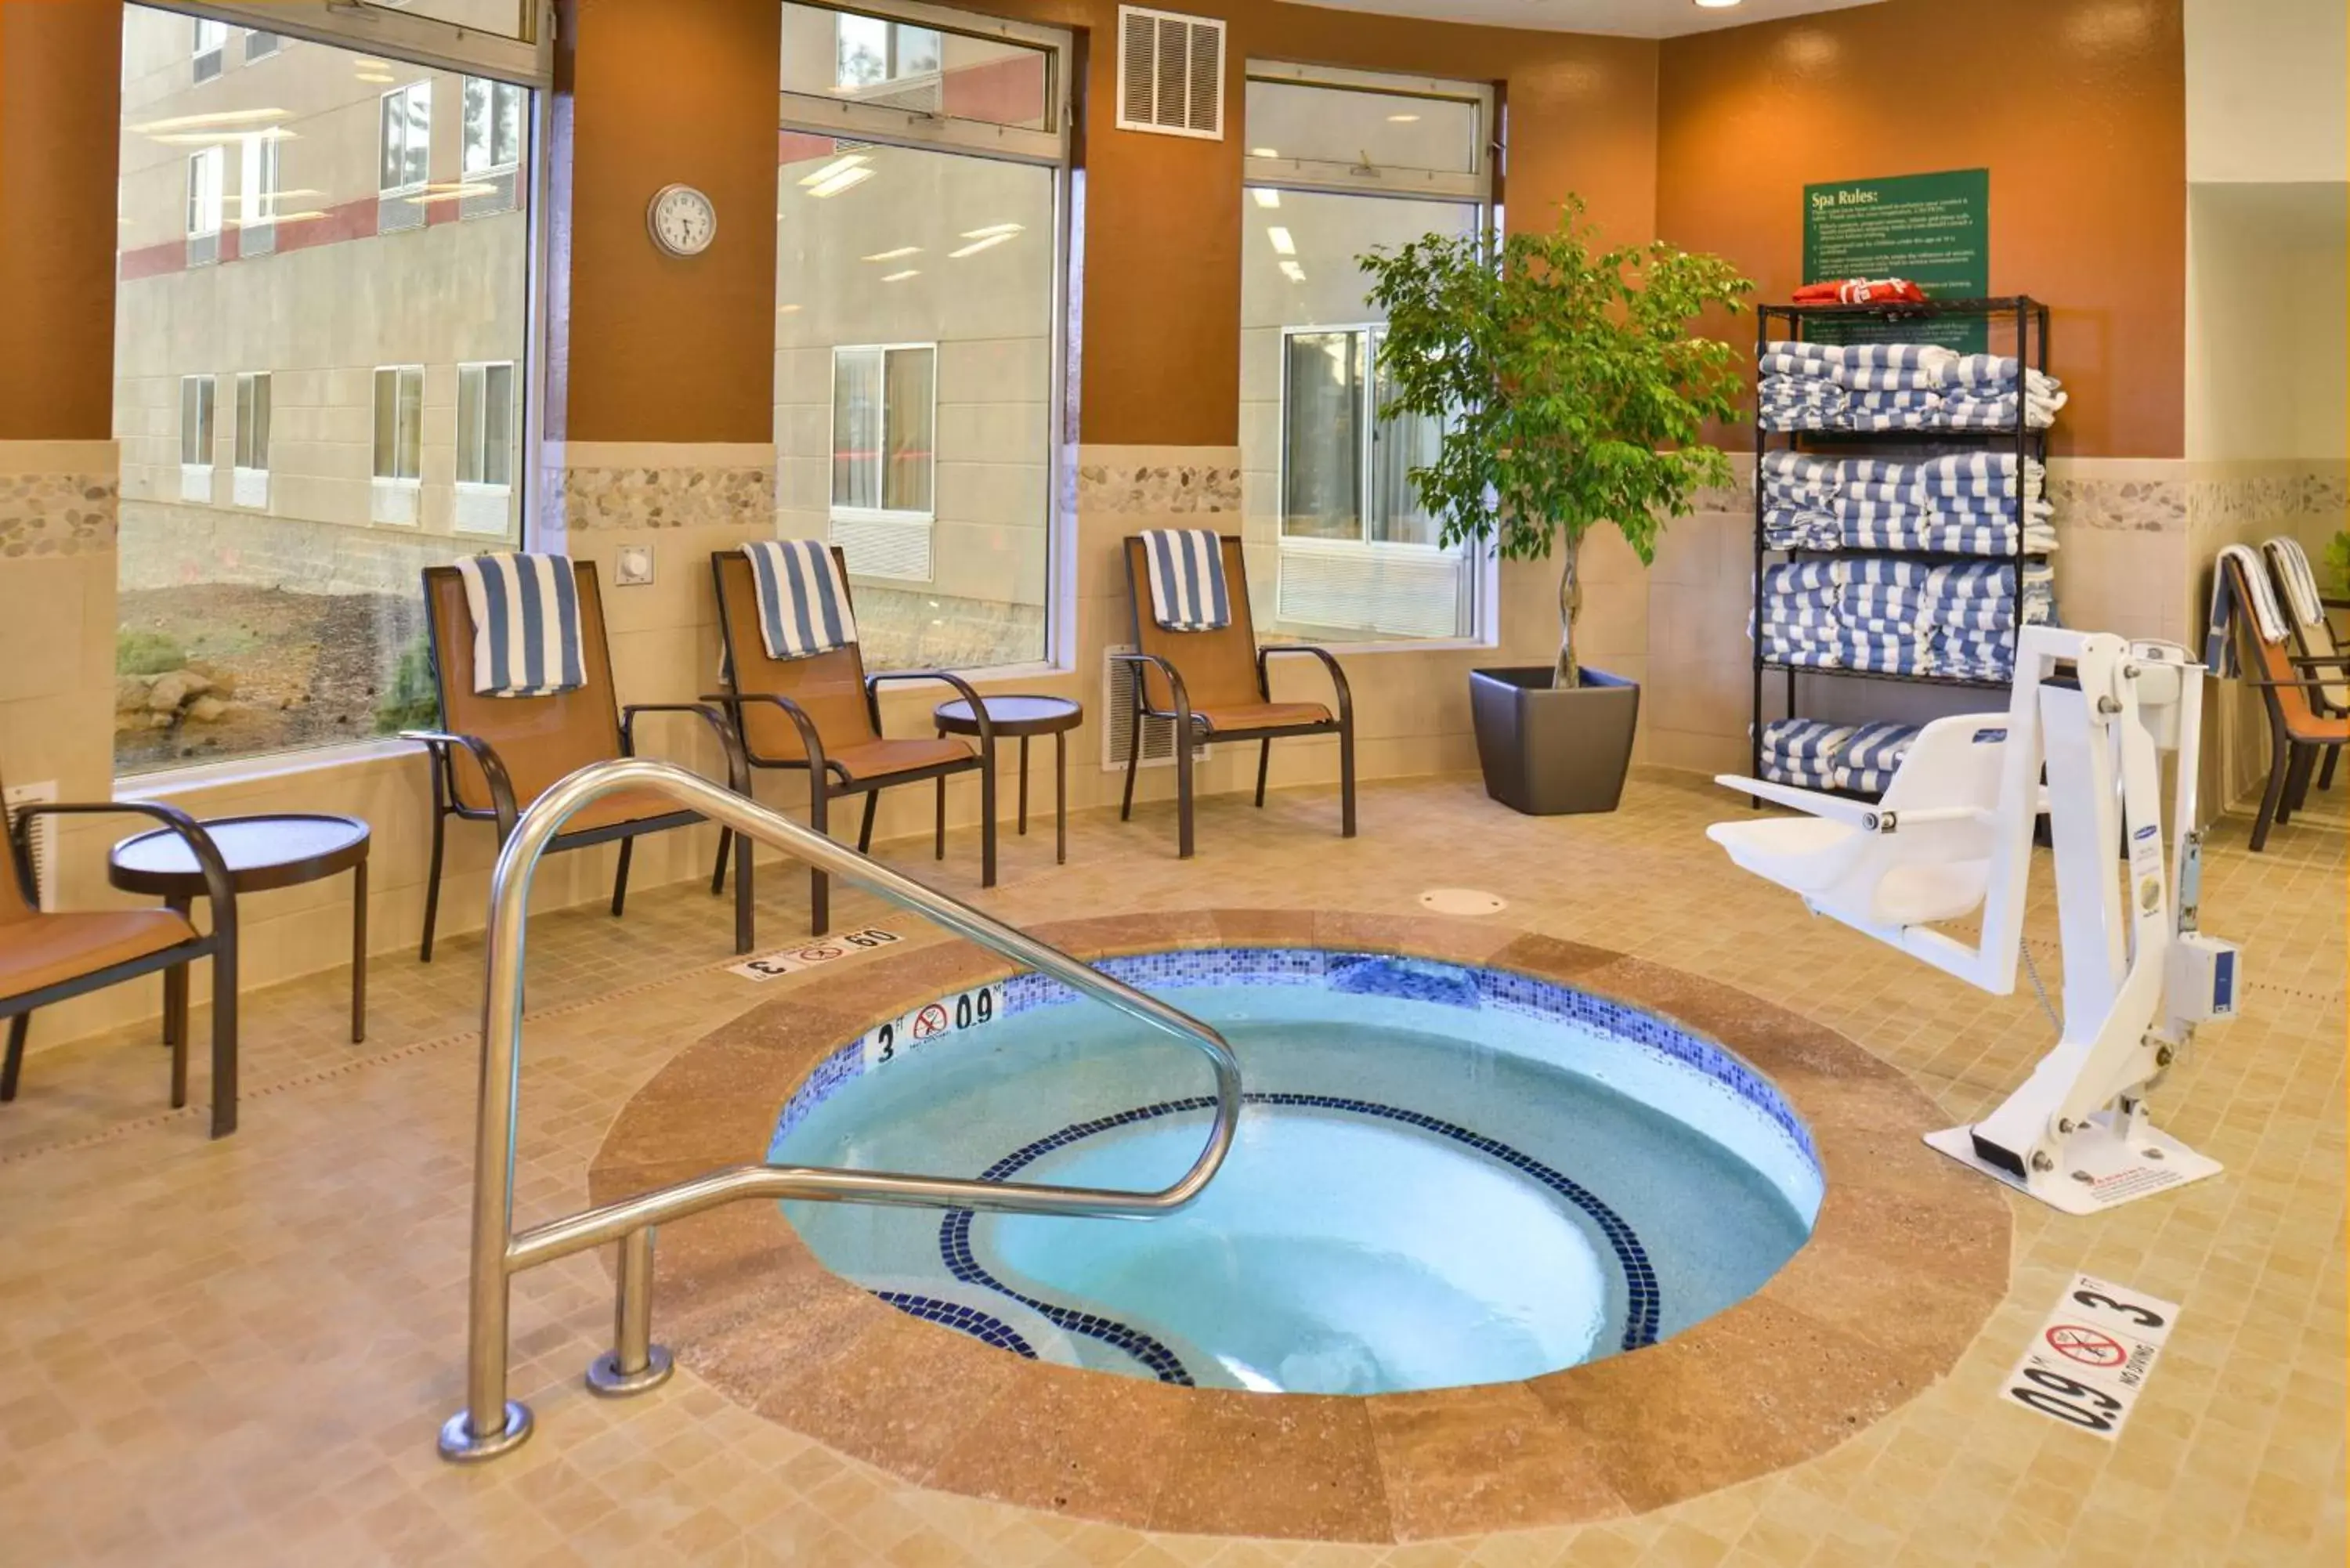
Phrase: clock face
{"type": "Point", "coordinates": [683, 220]}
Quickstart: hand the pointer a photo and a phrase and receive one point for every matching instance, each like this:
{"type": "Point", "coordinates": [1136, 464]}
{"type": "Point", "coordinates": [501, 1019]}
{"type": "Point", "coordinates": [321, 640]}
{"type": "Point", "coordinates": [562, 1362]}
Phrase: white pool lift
{"type": "Point", "coordinates": [1953, 833]}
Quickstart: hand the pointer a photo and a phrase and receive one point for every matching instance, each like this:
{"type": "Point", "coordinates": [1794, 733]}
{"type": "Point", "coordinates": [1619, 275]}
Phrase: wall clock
{"type": "Point", "coordinates": [683, 220]}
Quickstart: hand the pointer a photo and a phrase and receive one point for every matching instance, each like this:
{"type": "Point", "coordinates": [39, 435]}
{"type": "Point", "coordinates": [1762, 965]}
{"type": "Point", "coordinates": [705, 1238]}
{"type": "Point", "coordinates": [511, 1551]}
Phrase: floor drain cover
{"type": "Point", "coordinates": [1460, 901]}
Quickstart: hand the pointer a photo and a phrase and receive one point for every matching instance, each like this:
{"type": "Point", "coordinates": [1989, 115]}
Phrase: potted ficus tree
{"type": "Point", "coordinates": [1573, 392]}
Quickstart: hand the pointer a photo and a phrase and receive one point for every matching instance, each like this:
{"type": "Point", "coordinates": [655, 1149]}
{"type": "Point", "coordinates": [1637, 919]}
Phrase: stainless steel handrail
{"type": "Point", "coordinates": [490, 1423]}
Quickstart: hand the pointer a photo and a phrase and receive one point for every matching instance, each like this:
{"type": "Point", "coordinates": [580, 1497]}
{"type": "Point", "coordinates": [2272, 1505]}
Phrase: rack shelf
{"type": "Point", "coordinates": [2028, 319]}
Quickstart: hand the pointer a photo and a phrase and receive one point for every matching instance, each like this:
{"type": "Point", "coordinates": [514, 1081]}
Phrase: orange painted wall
{"type": "Point", "coordinates": [2076, 107]}
{"type": "Point", "coordinates": [685, 89]}
{"type": "Point", "coordinates": [60, 122]}
{"type": "Point", "coordinates": [661, 349]}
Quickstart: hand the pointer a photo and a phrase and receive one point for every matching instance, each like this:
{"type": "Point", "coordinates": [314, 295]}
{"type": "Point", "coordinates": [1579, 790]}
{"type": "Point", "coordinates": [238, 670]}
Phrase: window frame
{"type": "Point", "coordinates": [1480, 569]}
{"type": "Point", "coordinates": [207, 40]}
{"type": "Point", "coordinates": [476, 439]}
{"type": "Point", "coordinates": [382, 135]}
{"type": "Point", "coordinates": [277, 43]}
{"type": "Point", "coordinates": [399, 372]}
{"type": "Point", "coordinates": [844, 117]}
{"type": "Point", "coordinates": [214, 157]}
{"type": "Point", "coordinates": [248, 384]}
{"type": "Point", "coordinates": [206, 385]}
{"type": "Point", "coordinates": [259, 176]}
{"type": "Point", "coordinates": [496, 165]}
{"type": "Point", "coordinates": [891, 74]}
{"type": "Point", "coordinates": [833, 509]}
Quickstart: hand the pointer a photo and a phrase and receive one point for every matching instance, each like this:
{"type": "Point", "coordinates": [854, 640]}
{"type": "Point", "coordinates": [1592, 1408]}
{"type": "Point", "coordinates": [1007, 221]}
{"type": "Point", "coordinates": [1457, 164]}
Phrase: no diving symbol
{"type": "Point", "coordinates": [929, 1021]}
{"type": "Point", "coordinates": [2086, 1345]}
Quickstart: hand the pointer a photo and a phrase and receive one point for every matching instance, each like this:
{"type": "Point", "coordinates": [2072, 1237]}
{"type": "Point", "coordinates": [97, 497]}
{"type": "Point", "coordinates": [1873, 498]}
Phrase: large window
{"type": "Point", "coordinates": [209, 45]}
{"type": "Point", "coordinates": [311, 407]}
{"type": "Point", "coordinates": [251, 478]}
{"type": "Point", "coordinates": [918, 312]}
{"type": "Point", "coordinates": [1338, 164]}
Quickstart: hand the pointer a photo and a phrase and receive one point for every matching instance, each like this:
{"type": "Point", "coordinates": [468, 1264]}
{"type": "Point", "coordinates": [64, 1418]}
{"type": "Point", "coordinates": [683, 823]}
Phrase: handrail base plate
{"type": "Point", "coordinates": [606, 1381]}
{"type": "Point", "coordinates": [459, 1445]}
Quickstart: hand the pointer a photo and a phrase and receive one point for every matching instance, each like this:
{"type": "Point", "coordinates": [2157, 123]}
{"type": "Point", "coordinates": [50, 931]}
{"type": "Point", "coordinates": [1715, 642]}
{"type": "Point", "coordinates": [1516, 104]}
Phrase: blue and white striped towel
{"type": "Point", "coordinates": [1900, 490]}
{"type": "Point", "coordinates": [1798, 528]}
{"type": "Point", "coordinates": [1971, 413]}
{"type": "Point", "coordinates": [1962, 465]}
{"type": "Point", "coordinates": [1986, 374]}
{"type": "Point", "coordinates": [1850, 506]}
{"type": "Point", "coordinates": [1825, 356]}
{"type": "Point", "coordinates": [1793, 477]}
{"type": "Point", "coordinates": [1884, 401]}
{"type": "Point", "coordinates": [1800, 577]}
{"type": "Point", "coordinates": [802, 603]}
{"type": "Point", "coordinates": [1187, 578]}
{"type": "Point", "coordinates": [1895, 420]}
{"type": "Point", "coordinates": [1972, 655]}
{"type": "Point", "coordinates": [1887, 378]}
{"type": "Point", "coordinates": [1779, 615]}
{"type": "Point", "coordinates": [1887, 652]}
{"type": "Point", "coordinates": [1783, 363]}
{"type": "Point", "coordinates": [1899, 357]}
{"type": "Point", "coordinates": [526, 615]}
{"type": "Point", "coordinates": [1979, 536]}
{"type": "Point", "coordinates": [1878, 747]}
{"type": "Point", "coordinates": [1806, 740]}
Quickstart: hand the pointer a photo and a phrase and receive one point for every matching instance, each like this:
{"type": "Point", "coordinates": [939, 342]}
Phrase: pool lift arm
{"type": "Point", "coordinates": [1954, 831]}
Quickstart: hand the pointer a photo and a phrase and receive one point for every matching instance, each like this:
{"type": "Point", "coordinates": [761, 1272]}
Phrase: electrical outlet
{"type": "Point", "coordinates": [633, 566]}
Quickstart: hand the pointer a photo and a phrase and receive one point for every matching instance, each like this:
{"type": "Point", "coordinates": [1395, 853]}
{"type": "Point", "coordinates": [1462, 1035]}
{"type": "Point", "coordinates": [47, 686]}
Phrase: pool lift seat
{"type": "Point", "coordinates": [1953, 833]}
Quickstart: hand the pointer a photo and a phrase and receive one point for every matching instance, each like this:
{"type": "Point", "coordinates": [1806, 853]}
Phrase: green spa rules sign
{"type": "Point", "coordinates": [1932, 229]}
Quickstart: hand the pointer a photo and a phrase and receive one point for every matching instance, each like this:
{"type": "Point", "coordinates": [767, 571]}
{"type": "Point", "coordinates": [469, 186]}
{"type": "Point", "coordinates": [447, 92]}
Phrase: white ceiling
{"type": "Point", "coordinates": [1627, 18]}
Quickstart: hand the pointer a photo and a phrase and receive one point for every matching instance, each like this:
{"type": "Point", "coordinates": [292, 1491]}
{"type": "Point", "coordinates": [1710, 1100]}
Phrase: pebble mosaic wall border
{"type": "Point", "coordinates": [1152, 488]}
{"type": "Point", "coordinates": [56, 515]}
{"type": "Point", "coordinates": [582, 500]}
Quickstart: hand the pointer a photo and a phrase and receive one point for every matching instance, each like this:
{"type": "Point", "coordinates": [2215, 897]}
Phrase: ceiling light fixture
{"type": "Point", "coordinates": [1409, 119]}
{"type": "Point", "coordinates": [973, 249]}
{"type": "Point", "coordinates": [1266, 196]}
{"type": "Point", "coordinates": [839, 182]}
{"type": "Point", "coordinates": [893, 256]}
{"type": "Point", "coordinates": [1715, 5]}
{"type": "Point", "coordinates": [1292, 272]}
{"type": "Point", "coordinates": [833, 170]}
{"type": "Point", "coordinates": [225, 119]}
{"type": "Point", "coordinates": [1262, 152]}
{"type": "Point", "coordinates": [902, 276]}
{"type": "Point", "coordinates": [1005, 230]}
{"type": "Point", "coordinates": [1282, 242]}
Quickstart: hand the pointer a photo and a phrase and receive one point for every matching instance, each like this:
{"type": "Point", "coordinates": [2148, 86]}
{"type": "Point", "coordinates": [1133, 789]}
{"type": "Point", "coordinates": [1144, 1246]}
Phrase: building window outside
{"type": "Point", "coordinates": [869, 51]}
{"type": "Point", "coordinates": [196, 393]}
{"type": "Point", "coordinates": [208, 49]}
{"type": "Point", "coordinates": [493, 116]}
{"type": "Point", "coordinates": [884, 419]}
{"type": "Point", "coordinates": [1343, 551]}
{"type": "Point", "coordinates": [251, 481]}
{"type": "Point", "coordinates": [340, 356]}
{"type": "Point", "coordinates": [260, 44]}
{"type": "Point", "coordinates": [204, 191]}
{"type": "Point", "coordinates": [398, 423]}
{"type": "Point", "coordinates": [918, 331]}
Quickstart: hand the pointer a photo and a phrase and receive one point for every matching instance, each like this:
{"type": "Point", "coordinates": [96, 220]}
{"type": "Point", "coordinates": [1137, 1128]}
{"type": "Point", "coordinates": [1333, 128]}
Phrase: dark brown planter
{"type": "Point", "coordinates": [1551, 754]}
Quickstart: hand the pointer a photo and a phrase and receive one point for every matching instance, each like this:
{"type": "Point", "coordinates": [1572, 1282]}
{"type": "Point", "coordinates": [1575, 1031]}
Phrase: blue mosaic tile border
{"type": "Point", "coordinates": [980, 1325]}
{"type": "Point", "coordinates": [1643, 1298]}
{"type": "Point", "coordinates": [1465, 986]}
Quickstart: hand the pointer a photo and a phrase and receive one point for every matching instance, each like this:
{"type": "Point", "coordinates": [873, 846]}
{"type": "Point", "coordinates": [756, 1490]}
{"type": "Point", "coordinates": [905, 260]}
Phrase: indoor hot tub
{"type": "Point", "coordinates": [1445, 1174]}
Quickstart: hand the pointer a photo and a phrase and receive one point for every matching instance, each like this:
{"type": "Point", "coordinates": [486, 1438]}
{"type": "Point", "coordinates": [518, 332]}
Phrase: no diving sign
{"type": "Point", "coordinates": [2092, 1355]}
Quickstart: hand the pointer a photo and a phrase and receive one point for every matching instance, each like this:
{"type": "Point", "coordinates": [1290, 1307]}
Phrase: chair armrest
{"type": "Point", "coordinates": [964, 689]}
{"type": "Point", "coordinates": [219, 891]}
{"type": "Point", "coordinates": [1174, 684]}
{"type": "Point", "coordinates": [1330, 662]}
{"type": "Point", "coordinates": [1834, 807]}
{"type": "Point", "coordinates": [810, 742]}
{"type": "Point", "coordinates": [738, 767]}
{"type": "Point", "coordinates": [502, 795]}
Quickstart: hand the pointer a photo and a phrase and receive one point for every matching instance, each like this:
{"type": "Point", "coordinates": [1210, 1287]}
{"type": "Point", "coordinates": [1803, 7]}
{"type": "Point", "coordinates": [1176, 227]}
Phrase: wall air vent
{"type": "Point", "coordinates": [1118, 729]}
{"type": "Point", "coordinates": [1171, 76]}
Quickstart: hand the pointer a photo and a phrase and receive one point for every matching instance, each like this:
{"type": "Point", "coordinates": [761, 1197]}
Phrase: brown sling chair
{"type": "Point", "coordinates": [822, 715]}
{"type": "Point", "coordinates": [46, 958]}
{"type": "Point", "coordinates": [2313, 630]}
{"type": "Point", "coordinates": [492, 757]}
{"type": "Point", "coordinates": [1212, 686]}
{"type": "Point", "coordinates": [2300, 726]}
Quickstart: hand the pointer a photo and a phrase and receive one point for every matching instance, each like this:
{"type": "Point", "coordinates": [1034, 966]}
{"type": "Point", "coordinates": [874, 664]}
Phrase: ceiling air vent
{"type": "Point", "coordinates": [1171, 74]}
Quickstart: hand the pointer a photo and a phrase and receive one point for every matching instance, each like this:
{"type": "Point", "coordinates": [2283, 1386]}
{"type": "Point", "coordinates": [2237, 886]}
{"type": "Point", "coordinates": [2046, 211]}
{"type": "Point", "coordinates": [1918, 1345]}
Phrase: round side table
{"type": "Point", "coordinates": [1022, 718]}
{"type": "Point", "coordinates": [279, 850]}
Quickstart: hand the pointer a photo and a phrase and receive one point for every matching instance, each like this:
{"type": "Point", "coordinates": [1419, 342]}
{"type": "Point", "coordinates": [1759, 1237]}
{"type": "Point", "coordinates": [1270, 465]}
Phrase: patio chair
{"type": "Point", "coordinates": [2305, 606]}
{"type": "Point", "coordinates": [821, 714]}
{"type": "Point", "coordinates": [1211, 685]}
{"type": "Point", "coordinates": [495, 754]}
{"type": "Point", "coordinates": [2246, 617]}
{"type": "Point", "coordinates": [46, 957]}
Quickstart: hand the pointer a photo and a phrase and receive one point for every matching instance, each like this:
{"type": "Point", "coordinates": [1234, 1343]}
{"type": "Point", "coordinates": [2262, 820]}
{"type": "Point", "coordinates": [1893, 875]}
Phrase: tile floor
{"type": "Point", "coordinates": [240, 1352]}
